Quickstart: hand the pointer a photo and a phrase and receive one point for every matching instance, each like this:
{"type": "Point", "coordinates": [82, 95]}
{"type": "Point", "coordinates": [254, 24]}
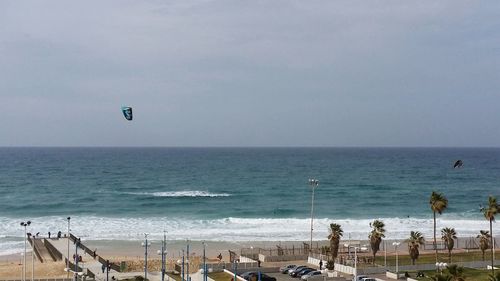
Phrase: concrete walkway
{"type": "Point", "coordinates": [93, 264]}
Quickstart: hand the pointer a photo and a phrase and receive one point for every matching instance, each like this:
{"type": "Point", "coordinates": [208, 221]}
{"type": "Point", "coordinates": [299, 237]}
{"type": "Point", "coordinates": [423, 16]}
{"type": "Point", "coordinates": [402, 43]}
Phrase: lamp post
{"type": "Point", "coordinates": [25, 224]}
{"type": "Point", "coordinates": [385, 255]}
{"type": "Point", "coordinates": [108, 268]}
{"type": "Point", "coordinates": [77, 242]}
{"type": "Point", "coordinates": [187, 261]}
{"type": "Point", "coordinates": [67, 257]}
{"type": "Point", "coordinates": [146, 244]}
{"type": "Point", "coordinates": [235, 270]}
{"type": "Point", "coordinates": [313, 183]}
{"type": "Point", "coordinates": [182, 268]}
{"type": "Point", "coordinates": [163, 254]}
{"type": "Point", "coordinates": [396, 244]}
{"type": "Point", "coordinates": [204, 262]}
{"type": "Point", "coordinates": [356, 263]}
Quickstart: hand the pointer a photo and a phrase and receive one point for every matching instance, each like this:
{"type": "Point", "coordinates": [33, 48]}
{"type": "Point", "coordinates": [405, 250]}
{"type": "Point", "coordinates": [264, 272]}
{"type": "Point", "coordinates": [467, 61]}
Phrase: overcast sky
{"type": "Point", "coordinates": [250, 73]}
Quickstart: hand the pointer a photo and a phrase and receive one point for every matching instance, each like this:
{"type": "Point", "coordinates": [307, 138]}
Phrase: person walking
{"type": "Point", "coordinates": [320, 264]}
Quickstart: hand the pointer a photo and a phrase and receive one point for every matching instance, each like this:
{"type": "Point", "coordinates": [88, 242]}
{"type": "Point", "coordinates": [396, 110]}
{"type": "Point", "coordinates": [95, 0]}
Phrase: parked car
{"type": "Point", "coordinates": [296, 273]}
{"type": "Point", "coordinates": [369, 279]}
{"type": "Point", "coordinates": [284, 269]}
{"type": "Point", "coordinates": [359, 277]}
{"type": "Point", "coordinates": [298, 268]}
{"type": "Point", "coordinates": [305, 271]}
{"type": "Point", "coordinates": [254, 276]}
{"type": "Point", "coordinates": [247, 274]}
{"type": "Point", "coordinates": [310, 274]}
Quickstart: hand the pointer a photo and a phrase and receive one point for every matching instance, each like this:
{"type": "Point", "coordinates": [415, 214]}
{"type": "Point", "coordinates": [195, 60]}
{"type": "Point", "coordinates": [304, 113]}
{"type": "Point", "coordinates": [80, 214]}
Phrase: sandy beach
{"type": "Point", "coordinates": [133, 254]}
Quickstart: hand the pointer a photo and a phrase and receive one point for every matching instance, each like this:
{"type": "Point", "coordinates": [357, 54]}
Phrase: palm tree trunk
{"type": "Point", "coordinates": [435, 243]}
{"type": "Point", "coordinates": [449, 256]}
{"type": "Point", "coordinates": [492, 246]}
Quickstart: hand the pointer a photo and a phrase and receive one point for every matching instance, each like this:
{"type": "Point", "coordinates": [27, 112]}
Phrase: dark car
{"type": "Point", "coordinates": [284, 269]}
{"type": "Point", "coordinates": [296, 272]}
{"type": "Point", "coordinates": [304, 272]}
{"type": "Point", "coordinates": [298, 268]}
{"type": "Point", "coordinates": [254, 276]}
{"type": "Point", "coordinates": [247, 274]}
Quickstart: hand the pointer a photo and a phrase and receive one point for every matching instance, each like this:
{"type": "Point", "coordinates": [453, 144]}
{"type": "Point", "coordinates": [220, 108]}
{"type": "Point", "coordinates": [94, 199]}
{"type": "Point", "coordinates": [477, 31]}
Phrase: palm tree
{"type": "Point", "coordinates": [376, 236]}
{"type": "Point", "coordinates": [448, 235]}
{"type": "Point", "coordinates": [456, 272]}
{"type": "Point", "coordinates": [438, 204]}
{"type": "Point", "coordinates": [484, 241]}
{"type": "Point", "coordinates": [335, 233]}
{"type": "Point", "coordinates": [489, 213]}
{"type": "Point", "coordinates": [416, 239]}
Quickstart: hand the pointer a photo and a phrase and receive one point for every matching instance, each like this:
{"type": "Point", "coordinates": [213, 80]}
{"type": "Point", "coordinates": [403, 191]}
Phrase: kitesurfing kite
{"type": "Point", "coordinates": [127, 112]}
{"type": "Point", "coordinates": [458, 164]}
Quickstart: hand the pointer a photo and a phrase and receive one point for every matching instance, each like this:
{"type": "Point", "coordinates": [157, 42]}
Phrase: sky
{"type": "Point", "coordinates": [250, 73]}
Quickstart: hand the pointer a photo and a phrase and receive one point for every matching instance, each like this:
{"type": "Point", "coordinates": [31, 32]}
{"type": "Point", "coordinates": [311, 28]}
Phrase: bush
{"type": "Point", "coordinates": [330, 265]}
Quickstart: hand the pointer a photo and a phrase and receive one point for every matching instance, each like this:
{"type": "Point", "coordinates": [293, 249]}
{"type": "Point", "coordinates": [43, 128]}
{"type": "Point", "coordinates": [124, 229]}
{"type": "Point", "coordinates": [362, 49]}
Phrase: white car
{"type": "Point", "coordinates": [369, 279]}
{"type": "Point", "coordinates": [310, 274]}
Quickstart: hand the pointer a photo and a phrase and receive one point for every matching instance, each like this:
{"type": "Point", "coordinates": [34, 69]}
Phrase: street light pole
{"type": "Point", "coordinates": [145, 244]}
{"type": "Point", "coordinates": [204, 262]}
{"type": "Point", "coordinates": [187, 261]}
{"type": "Point", "coordinates": [356, 263]}
{"type": "Point", "coordinates": [163, 254]}
{"type": "Point", "coordinates": [313, 183]}
{"type": "Point", "coordinates": [396, 244]}
{"type": "Point", "coordinates": [25, 224]}
{"type": "Point", "coordinates": [182, 270]}
{"type": "Point", "coordinates": [76, 260]}
{"type": "Point", "coordinates": [67, 257]}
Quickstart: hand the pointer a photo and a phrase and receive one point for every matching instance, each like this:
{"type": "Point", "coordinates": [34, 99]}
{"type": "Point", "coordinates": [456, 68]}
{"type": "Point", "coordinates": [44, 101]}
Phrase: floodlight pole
{"type": "Point", "coordinates": [396, 244]}
{"type": "Point", "coordinates": [67, 257]}
{"type": "Point", "coordinates": [313, 183]}
{"type": "Point", "coordinates": [25, 224]}
{"type": "Point", "coordinates": [187, 261]}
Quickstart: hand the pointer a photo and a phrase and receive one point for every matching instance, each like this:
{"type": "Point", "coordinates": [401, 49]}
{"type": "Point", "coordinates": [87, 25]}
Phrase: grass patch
{"type": "Point", "coordinates": [220, 276]}
{"type": "Point", "coordinates": [430, 258]}
{"type": "Point", "coordinates": [469, 274]}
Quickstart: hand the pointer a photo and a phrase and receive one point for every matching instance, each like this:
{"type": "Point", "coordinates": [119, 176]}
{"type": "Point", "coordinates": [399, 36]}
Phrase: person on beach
{"type": "Point", "coordinates": [320, 264]}
{"type": "Point", "coordinates": [103, 267]}
{"type": "Point", "coordinates": [93, 253]}
{"type": "Point", "coordinates": [49, 234]}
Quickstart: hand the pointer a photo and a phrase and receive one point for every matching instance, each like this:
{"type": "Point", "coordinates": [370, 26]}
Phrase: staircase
{"type": "Point", "coordinates": [41, 252]}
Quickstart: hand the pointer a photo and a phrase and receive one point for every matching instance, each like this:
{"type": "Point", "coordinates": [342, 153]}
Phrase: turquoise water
{"type": "Point", "coordinates": [238, 193]}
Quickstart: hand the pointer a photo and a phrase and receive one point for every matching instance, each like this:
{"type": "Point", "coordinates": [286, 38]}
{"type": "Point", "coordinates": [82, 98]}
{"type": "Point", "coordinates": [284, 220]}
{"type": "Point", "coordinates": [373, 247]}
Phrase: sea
{"type": "Point", "coordinates": [240, 194]}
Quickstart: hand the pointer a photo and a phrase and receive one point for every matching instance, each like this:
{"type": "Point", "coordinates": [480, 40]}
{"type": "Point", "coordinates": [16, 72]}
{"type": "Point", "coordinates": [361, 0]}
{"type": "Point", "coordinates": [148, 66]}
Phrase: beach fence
{"type": "Point", "coordinates": [282, 252]}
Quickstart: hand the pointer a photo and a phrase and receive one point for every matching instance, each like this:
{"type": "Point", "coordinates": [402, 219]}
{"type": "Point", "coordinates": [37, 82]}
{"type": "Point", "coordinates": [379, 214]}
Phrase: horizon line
{"type": "Point", "coordinates": [250, 146]}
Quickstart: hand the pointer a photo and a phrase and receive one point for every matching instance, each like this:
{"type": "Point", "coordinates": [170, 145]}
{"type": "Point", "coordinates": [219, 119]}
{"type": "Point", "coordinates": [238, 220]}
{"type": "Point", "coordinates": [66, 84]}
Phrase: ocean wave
{"type": "Point", "coordinates": [231, 229]}
{"type": "Point", "coordinates": [194, 193]}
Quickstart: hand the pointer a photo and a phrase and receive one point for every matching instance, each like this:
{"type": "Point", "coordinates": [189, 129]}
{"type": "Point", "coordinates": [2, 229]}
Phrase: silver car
{"type": "Point", "coordinates": [310, 274]}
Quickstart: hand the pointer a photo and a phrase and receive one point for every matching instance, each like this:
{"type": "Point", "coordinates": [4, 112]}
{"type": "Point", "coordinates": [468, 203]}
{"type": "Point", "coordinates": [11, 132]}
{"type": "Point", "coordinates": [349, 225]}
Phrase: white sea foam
{"type": "Point", "coordinates": [193, 193]}
{"type": "Point", "coordinates": [227, 229]}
